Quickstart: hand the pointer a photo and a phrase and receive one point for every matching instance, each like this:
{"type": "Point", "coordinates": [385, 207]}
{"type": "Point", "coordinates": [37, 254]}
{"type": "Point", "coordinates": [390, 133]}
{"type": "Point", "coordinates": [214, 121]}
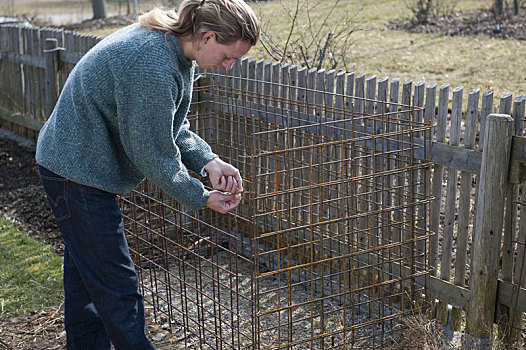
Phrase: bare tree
{"type": "Point", "coordinates": [99, 8]}
{"type": "Point", "coordinates": [313, 38]}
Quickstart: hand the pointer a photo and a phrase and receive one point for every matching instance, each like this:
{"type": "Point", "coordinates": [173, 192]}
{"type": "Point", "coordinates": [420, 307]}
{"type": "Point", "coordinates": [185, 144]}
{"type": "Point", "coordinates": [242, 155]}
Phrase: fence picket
{"type": "Point", "coordinates": [437, 182]}
{"type": "Point", "coordinates": [465, 204]}
{"type": "Point", "coordinates": [394, 161]}
{"type": "Point", "coordinates": [510, 221]}
{"type": "Point", "coordinates": [485, 111]}
{"type": "Point", "coordinates": [487, 240]}
{"type": "Point", "coordinates": [519, 278]}
{"type": "Point", "coordinates": [420, 176]}
{"type": "Point", "coordinates": [451, 196]}
{"type": "Point", "coordinates": [505, 103]}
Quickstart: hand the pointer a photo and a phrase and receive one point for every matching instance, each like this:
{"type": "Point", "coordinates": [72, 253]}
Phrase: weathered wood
{"type": "Point", "coordinates": [319, 99]}
{"type": "Point", "coordinates": [244, 74]}
{"type": "Point", "coordinates": [359, 96]}
{"type": "Point", "coordinates": [393, 162]}
{"type": "Point", "coordinates": [513, 296]}
{"type": "Point", "coordinates": [459, 296]}
{"type": "Point", "coordinates": [406, 97]}
{"type": "Point", "coordinates": [450, 206]}
{"type": "Point", "coordinates": [436, 183]}
{"type": "Point", "coordinates": [505, 103]}
{"type": "Point", "coordinates": [293, 83]}
{"type": "Point", "coordinates": [486, 109]}
{"type": "Point", "coordinates": [339, 98]}
{"type": "Point", "coordinates": [302, 92]}
{"type": "Point", "coordinates": [418, 101]}
{"type": "Point", "coordinates": [361, 189]}
{"type": "Point", "coordinates": [349, 99]}
{"type": "Point", "coordinates": [236, 74]}
{"type": "Point", "coordinates": [284, 91]}
{"type": "Point", "coordinates": [310, 100]}
{"type": "Point", "coordinates": [486, 244]}
{"type": "Point", "coordinates": [519, 279]}
{"type": "Point", "coordinates": [510, 213]}
{"type": "Point", "coordinates": [421, 176]}
{"type": "Point", "coordinates": [51, 51]}
{"type": "Point", "coordinates": [28, 60]}
{"type": "Point", "coordinates": [370, 95]}
{"type": "Point", "coordinates": [383, 88]}
{"type": "Point", "coordinates": [19, 119]}
{"type": "Point", "coordinates": [329, 96]}
{"type": "Point", "coordinates": [251, 85]}
{"type": "Point", "coordinates": [464, 205]}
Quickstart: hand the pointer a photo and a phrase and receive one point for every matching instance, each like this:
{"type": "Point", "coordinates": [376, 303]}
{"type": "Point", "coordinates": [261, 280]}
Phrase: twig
{"type": "Point", "coordinates": [292, 27]}
{"type": "Point", "coordinates": [322, 54]}
{"type": "Point", "coordinates": [267, 49]}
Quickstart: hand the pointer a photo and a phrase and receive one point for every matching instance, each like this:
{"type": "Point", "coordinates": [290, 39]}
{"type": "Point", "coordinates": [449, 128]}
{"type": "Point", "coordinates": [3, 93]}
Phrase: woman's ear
{"type": "Point", "coordinates": [207, 37]}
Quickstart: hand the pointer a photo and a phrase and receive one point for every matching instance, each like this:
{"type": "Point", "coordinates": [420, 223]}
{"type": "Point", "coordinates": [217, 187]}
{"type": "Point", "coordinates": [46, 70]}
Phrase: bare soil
{"type": "Point", "coordinates": [472, 23]}
{"type": "Point", "coordinates": [22, 198]}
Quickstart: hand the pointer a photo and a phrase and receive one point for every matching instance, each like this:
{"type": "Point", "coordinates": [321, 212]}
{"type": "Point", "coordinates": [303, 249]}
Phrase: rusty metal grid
{"type": "Point", "coordinates": [512, 318]}
{"type": "Point", "coordinates": [327, 249]}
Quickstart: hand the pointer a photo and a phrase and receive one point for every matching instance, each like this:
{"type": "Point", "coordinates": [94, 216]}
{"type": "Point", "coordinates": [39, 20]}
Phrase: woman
{"type": "Point", "coordinates": [121, 117]}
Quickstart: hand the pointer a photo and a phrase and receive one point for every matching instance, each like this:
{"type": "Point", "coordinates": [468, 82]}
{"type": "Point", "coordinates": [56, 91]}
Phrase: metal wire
{"type": "Point", "coordinates": [327, 249]}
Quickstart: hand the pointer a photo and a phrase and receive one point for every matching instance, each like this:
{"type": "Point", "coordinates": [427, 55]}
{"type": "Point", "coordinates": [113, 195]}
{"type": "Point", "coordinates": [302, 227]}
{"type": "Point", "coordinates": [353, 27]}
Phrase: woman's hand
{"type": "Point", "coordinates": [223, 176]}
{"type": "Point", "coordinates": [223, 202]}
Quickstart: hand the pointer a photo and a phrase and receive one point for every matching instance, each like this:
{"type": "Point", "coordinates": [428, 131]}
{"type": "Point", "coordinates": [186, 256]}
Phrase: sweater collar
{"type": "Point", "coordinates": [175, 46]}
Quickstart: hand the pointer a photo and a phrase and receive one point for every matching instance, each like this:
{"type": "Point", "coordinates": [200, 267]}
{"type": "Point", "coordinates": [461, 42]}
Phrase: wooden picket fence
{"type": "Point", "coordinates": [471, 266]}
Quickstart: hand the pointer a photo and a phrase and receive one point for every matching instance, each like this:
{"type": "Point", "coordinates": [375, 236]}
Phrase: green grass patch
{"type": "Point", "coordinates": [30, 273]}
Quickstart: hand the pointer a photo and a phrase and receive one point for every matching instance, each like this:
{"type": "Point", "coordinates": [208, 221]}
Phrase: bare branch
{"type": "Point", "coordinates": [322, 54]}
{"type": "Point", "coordinates": [292, 27]}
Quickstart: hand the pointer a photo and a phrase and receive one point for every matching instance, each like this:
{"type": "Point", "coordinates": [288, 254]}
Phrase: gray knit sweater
{"type": "Point", "coordinates": [121, 117]}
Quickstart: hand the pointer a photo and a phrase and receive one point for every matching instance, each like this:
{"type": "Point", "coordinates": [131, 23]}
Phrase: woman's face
{"type": "Point", "coordinates": [211, 54]}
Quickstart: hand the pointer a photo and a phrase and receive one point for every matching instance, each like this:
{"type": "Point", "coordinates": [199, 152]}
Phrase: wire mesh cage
{"type": "Point", "coordinates": [328, 247]}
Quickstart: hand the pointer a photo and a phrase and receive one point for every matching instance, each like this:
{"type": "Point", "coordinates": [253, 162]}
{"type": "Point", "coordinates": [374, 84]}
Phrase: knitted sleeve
{"type": "Point", "coordinates": [147, 99]}
{"type": "Point", "coordinates": [195, 152]}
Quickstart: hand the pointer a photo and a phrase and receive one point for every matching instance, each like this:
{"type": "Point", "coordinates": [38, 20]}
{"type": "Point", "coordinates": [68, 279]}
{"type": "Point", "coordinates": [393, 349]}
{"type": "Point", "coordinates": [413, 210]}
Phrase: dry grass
{"type": "Point", "coordinates": [424, 334]}
{"type": "Point", "coordinates": [471, 62]}
{"type": "Point", "coordinates": [421, 334]}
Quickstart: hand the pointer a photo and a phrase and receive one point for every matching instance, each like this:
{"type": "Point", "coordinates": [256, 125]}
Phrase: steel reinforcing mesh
{"type": "Point", "coordinates": [328, 247]}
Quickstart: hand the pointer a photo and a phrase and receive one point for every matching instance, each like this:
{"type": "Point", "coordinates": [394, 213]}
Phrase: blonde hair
{"type": "Point", "coordinates": [230, 20]}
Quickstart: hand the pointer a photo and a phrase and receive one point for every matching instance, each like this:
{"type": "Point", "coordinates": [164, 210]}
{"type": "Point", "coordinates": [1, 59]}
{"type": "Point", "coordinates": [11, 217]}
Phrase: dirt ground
{"type": "Point", "coordinates": [22, 198]}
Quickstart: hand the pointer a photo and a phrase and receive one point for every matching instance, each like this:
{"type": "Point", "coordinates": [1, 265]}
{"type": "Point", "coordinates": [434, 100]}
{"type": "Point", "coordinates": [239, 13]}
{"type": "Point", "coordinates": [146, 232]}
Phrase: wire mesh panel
{"type": "Point", "coordinates": [193, 280]}
{"type": "Point", "coordinates": [328, 247]}
{"type": "Point", "coordinates": [511, 317]}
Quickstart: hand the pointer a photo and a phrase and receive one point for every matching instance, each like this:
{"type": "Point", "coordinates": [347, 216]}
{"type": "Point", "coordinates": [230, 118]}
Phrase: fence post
{"type": "Point", "coordinates": [487, 238]}
{"type": "Point", "coordinates": [51, 73]}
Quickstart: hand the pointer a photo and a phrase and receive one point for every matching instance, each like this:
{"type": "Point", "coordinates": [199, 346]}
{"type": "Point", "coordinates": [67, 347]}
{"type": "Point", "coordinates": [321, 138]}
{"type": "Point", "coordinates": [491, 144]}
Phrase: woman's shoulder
{"type": "Point", "coordinates": [132, 41]}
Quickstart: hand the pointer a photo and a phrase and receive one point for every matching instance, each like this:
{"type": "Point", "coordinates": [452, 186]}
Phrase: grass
{"type": "Point", "coordinates": [50, 7]}
{"type": "Point", "coordinates": [30, 273]}
{"type": "Point", "coordinates": [471, 62]}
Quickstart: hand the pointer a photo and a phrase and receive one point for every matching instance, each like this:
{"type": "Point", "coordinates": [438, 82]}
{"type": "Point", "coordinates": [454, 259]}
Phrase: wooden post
{"type": "Point", "coordinates": [51, 74]}
{"type": "Point", "coordinates": [487, 239]}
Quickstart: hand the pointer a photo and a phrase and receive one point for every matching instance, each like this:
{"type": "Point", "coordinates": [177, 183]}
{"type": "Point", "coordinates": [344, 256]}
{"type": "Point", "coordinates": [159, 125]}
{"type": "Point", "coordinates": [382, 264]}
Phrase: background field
{"type": "Point", "coordinates": [471, 62]}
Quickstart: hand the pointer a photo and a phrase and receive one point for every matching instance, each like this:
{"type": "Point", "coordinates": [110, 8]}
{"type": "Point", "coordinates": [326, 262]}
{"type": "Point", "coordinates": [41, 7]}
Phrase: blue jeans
{"type": "Point", "coordinates": [103, 304]}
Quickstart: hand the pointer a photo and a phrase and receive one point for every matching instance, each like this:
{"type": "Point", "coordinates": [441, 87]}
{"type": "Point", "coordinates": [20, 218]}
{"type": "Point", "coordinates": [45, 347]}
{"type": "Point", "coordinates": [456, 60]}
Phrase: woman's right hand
{"type": "Point", "coordinates": [223, 202]}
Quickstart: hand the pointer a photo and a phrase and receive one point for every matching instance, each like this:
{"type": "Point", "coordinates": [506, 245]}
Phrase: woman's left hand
{"type": "Point", "coordinates": [223, 176]}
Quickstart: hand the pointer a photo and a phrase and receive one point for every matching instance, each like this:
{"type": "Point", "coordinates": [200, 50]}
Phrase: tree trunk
{"type": "Point", "coordinates": [499, 8]}
{"type": "Point", "coordinates": [99, 8]}
{"type": "Point", "coordinates": [134, 7]}
{"type": "Point", "coordinates": [516, 7]}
